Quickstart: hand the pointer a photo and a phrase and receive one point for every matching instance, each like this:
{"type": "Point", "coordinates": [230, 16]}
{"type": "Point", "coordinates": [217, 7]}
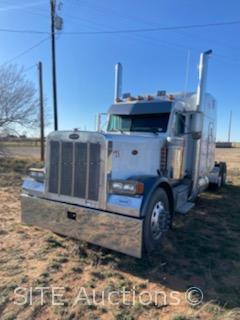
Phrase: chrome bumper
{"type": "Point", "coordinates": [113, 231]}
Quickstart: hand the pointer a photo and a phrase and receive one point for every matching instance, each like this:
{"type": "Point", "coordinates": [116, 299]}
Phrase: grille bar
{"type": "Point", "coordinates": [66, 168]}
{"type": "Point", "coordinates": [54, 167]}
{"type": "Point", "coordinates": [80, 169]}
{"type": "Point", "coordinates": [94, 170]}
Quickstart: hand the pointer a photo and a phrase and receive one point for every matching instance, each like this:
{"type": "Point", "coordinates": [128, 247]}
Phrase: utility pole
{"type": "Point", "coordinates": [230, 127]}
{"type": "Point", "coordinates": [54, 77]}
{"type": "Point", "coordinates": [41, 109]}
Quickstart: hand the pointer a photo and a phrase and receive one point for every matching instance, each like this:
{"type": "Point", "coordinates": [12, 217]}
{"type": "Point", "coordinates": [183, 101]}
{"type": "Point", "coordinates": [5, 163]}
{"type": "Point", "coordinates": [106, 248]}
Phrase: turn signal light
{"type": "Point", "coordinates": [131, 99]}
{"type": "Point", "coordinates": [171, 97]}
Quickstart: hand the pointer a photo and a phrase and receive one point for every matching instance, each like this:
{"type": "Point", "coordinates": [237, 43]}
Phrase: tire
{"type": "Point", "coordinates": [223, 170]}
{"type": "Point", "coordinates": [157, 220]}
{"type": "Point", "coordinates": [222, 177]}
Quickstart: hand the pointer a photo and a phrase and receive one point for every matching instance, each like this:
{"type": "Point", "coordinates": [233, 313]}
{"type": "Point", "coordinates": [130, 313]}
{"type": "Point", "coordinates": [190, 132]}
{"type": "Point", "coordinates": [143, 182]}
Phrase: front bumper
{"type": "Point", "coordinates": [110, 230]}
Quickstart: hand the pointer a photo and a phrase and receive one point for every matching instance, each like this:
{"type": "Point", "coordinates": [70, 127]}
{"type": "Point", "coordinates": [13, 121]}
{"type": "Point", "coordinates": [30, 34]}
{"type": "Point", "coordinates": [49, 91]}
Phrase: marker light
{"type": "Point", "coordinates": [131, 99]}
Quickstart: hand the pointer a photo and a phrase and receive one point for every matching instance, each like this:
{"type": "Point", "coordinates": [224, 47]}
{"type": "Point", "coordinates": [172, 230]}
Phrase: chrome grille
{"type": "Point", "coordinates": [74, 169]}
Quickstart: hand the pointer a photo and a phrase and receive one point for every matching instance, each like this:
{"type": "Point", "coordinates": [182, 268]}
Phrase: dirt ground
{"type": "Point", "coordinates": [202, 250]}
{"type": "Point", "coordinates": [20, 151]}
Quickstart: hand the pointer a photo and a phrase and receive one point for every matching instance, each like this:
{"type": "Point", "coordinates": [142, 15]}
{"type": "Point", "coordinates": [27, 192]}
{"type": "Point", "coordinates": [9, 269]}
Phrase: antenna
{"type": "Point", "coordinates": [187, 71]}
{"type": "Point", "coordinates": [230, 127]}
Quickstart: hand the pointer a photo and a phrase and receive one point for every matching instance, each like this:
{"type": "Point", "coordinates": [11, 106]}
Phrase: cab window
{"type": "Point", "coordinates": [139, 122]}
{"type": "Point", "coordinates": [180, 122]}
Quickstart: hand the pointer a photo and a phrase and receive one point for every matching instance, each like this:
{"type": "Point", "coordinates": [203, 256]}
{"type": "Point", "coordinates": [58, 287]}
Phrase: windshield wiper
{"type": "Point", "coordinates": [152, 130]}
{"type": "Point", "coordinates": [117, 130]}
{"type": "Point", "coordinates": [158, 130]}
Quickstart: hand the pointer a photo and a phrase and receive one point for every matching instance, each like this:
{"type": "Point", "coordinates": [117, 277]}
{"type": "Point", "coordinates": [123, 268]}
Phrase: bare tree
{"type": "Point", "coordinates": [19, 105]}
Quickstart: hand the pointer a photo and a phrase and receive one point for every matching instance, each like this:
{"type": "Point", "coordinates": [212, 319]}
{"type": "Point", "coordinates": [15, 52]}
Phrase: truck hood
{"type": "Point", "coordinates": [135, 154]}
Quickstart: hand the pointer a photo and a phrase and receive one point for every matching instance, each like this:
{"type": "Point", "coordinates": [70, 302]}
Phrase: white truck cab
{"type": "Point", "coordinates": [121, 187]}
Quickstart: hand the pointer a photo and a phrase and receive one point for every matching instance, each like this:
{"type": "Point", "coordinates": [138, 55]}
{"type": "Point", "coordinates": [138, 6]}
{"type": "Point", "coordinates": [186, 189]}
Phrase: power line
{"type": "Point", "coordinates": [148, 38]}
{"type": "Point", "coordinates": [145, 37]}
{"type": "Point", "coordinates": [103, 9]}
{"type": "Point", "coordinates": [23, 31]}
{"type": "Point", "coordinates": [29, 68]}
{"type": "Point", "coordinates": [193, 26]}
{"type": "Point", "coordinates": [26, 51]}
{"type": "Point", "coordinates": [137, 18]}
{"type": "Point", "coordinates": [111, 32]}
{"type": "Point", "coordinates": [174, 28]}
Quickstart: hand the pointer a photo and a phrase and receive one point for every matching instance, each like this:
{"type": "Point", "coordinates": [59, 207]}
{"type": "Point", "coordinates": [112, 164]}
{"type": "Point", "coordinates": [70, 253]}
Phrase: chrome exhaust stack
{"type": "Point", "coordinates": [203, 66]}
{"type": "Point", "coordinates": [118, 82]}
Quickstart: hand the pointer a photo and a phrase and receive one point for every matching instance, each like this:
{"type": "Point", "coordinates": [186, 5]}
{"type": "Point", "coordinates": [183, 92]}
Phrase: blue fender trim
{"type": "Point", "coordinates": [151, 183]}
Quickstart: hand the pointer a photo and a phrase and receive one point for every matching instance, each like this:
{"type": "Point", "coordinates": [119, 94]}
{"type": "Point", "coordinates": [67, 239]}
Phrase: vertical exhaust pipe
{"type": "Point", "coordinates": [201, 89]}
{"type": "Point", "coordinates": [203, 66]}
{"type": "Point", "coordinates": [118, 82]}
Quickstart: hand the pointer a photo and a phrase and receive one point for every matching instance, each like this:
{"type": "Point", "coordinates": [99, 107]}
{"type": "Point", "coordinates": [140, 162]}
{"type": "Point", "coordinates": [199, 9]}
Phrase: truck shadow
{"type": "Point", "coordinates": [202, 250]}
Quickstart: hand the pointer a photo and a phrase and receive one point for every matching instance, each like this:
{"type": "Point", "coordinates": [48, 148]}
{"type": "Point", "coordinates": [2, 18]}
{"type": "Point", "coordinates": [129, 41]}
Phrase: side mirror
{"type": "Point", "coordinates": [197, 125]}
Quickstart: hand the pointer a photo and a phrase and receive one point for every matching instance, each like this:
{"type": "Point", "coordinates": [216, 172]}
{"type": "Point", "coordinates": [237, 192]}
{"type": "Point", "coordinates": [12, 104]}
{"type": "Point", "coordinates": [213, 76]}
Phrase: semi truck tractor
{"type": "Point", "coordinates": [120, 188]}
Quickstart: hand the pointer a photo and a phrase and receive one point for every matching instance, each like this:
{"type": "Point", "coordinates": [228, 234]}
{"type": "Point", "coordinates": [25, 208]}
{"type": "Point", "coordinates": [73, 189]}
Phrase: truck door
{"type": "Point", "coordinates": [181, 130]}
{"type": "Point", "coordinates": [176, 147]}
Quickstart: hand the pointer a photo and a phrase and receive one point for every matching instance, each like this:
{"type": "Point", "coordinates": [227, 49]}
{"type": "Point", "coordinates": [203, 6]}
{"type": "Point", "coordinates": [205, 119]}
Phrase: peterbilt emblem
{"type": "Point", "coordinates": [74, 136]}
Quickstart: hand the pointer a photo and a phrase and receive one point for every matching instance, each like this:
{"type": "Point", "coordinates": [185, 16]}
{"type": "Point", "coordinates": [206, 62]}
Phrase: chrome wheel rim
{"type": "Point", "coordinates": [224, 178]}
{"type": "Point", "coordinates": [219, 181]}
{"type": "Point", "coordinates": [159, 220]}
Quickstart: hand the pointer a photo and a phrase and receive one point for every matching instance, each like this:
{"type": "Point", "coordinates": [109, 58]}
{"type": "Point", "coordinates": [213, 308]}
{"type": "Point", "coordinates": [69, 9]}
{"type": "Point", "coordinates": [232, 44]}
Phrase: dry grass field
{"type": "Point", "coordinates": [202, 250]}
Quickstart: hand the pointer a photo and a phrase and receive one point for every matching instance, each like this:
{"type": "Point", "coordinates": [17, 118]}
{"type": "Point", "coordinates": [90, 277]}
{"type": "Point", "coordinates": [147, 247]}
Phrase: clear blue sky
{"type": "Point", "coordinates": [151, 60]}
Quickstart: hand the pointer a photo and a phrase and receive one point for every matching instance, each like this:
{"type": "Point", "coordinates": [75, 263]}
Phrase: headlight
{"type": "Point", "coordinates": [37, 174]}
{"type": "Point", "coordinates": [126, 187]}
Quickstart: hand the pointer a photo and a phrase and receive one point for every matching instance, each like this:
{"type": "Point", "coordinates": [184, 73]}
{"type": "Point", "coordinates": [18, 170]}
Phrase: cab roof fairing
{"type": "Point", "coordinates": [187, 102]}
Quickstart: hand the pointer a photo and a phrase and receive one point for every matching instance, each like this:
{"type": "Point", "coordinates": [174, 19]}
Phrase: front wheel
{"type": "Point", "coordinates": [157, 221]}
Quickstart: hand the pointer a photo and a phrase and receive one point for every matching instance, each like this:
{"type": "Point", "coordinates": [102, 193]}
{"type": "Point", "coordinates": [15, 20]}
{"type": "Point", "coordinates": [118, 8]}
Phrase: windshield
{"type": "Point", "coordinates": [140, 122]}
